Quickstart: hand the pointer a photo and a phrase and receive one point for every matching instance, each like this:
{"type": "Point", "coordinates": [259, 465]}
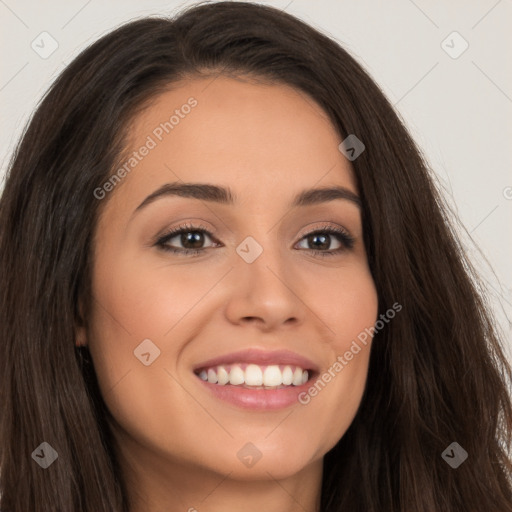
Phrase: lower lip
{"type": "Point", "coordinates": [257, 399]}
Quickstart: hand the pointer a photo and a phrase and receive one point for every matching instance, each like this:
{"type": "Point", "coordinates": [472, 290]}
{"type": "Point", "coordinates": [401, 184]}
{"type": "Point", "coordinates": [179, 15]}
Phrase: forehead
{"type": "Point", "coordinates": [264, 141]}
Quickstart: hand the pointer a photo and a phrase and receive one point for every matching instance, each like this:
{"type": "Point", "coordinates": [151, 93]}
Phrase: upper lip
{"type": "Point", "coordinates": [258, 356]}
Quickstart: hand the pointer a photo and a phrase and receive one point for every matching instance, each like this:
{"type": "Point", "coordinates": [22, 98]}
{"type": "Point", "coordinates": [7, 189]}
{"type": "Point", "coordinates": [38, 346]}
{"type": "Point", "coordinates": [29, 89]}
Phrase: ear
{"type": "Point", "coordinates": [80, 329]}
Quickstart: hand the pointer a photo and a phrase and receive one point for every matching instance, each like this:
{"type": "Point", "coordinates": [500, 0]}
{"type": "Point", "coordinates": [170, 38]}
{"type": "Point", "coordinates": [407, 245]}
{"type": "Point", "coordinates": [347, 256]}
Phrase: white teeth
{"type": "Point", "coordinates": [236, 376]}
{"type": "Point", "coordinates": [222, 375]}
{"type": "Point", "coordinates": [253, 375]}
{"type": "Point", "coordinates": [297, 377]}
{"type": "Point", "coordinates": [270, 376]}
{"type": "Point", "coordinates": [287, 375]}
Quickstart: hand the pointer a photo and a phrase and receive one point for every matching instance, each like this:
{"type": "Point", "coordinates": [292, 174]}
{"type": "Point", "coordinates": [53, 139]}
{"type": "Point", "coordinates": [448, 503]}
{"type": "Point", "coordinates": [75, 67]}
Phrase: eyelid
{"type": "Point", "coordinates": [325, 225]}
{"type": "Point", "coordinates": [186, 225]}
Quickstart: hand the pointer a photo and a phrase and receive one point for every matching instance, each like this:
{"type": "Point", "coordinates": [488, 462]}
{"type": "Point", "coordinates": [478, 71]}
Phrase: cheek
{"type": "Point", "coordinates": [140, 299]}
{"type": "Point", "coordinates": [350, 309]}
{"type": "Point", "coordinates": [347, 302]}
{"type": "Point", "coordinates": [136, 300]}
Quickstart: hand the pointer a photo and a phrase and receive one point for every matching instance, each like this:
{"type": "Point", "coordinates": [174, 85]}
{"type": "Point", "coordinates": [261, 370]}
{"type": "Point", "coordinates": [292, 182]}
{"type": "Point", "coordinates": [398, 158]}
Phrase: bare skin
{"type": "Point", "coordinates": [178, 443]}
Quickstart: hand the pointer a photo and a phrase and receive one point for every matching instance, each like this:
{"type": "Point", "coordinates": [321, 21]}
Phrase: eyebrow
{"type": "Point", "coordinates": [222, 195]}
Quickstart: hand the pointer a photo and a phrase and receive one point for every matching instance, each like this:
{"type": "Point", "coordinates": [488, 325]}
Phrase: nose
{"type": "Point", "coordinates": [265, 293]}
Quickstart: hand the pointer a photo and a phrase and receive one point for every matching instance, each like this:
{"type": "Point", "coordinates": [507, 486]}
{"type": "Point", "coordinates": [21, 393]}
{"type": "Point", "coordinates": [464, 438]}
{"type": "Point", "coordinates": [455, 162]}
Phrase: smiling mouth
{"type": "Point", "coordinates": [254, 376]}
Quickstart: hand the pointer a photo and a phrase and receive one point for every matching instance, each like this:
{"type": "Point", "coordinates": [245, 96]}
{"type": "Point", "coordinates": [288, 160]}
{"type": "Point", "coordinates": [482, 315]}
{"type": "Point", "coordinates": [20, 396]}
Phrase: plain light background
{"type": "Point", "coordinates": [457, 104]}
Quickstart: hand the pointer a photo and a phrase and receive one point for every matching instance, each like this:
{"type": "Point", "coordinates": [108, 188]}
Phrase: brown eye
{"type": "Point", "coordinates": [191, 238]}
{"type": "Point", "coordinates": [320, 240]}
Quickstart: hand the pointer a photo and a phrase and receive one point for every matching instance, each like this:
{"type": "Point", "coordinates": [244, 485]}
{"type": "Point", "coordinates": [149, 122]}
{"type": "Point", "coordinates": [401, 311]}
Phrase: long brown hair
{"type": "Point", "coordinates": [437, 372]}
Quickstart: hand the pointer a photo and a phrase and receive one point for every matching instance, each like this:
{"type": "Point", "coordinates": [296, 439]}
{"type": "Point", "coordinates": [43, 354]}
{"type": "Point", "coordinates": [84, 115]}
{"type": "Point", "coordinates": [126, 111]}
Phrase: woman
{"type": "Point", "coordinates": [228, 281]}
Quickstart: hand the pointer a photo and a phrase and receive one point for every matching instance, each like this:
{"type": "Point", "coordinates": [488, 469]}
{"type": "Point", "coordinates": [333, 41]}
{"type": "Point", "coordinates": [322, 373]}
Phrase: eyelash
{"type": "Point", "coordinates": [343, 237]}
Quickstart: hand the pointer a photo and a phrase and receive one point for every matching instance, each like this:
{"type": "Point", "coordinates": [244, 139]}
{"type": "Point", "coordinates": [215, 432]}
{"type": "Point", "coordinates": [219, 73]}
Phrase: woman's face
{"type": "Point", "coordinates": [255, 299]}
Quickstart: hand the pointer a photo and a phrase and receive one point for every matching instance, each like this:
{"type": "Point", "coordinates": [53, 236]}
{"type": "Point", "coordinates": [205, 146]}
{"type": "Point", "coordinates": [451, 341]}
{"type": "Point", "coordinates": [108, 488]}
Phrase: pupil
{"type": "Point", "coordinates": [192, 237]}
{"type": "Point", "coordinates": [324, 244]}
